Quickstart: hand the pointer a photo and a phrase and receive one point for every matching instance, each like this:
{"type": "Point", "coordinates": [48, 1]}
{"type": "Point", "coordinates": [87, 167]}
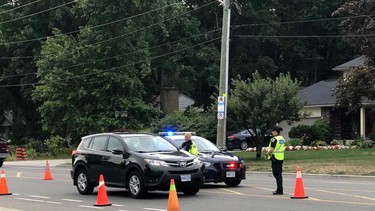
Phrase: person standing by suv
{"type": "Point", "coordinates": [276, 155]}
{"type": "Point", "coordinates": [189, 145]}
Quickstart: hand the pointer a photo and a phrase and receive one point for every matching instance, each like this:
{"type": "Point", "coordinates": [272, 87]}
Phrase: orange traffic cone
{"type": "Point", "coordinates": [3, 185]}
{"type": "Point", "coordinates": [47, 172]}
{"type": "Point", "coordinates": [102, 199]}
{"type": "Point", "coordinates": [299, 192]}
{"type": "Point", "coordinates": [172, 199]}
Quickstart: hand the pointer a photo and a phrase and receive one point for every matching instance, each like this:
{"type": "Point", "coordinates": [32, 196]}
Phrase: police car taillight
{"type": "Point", "coordinates": [231, 165]}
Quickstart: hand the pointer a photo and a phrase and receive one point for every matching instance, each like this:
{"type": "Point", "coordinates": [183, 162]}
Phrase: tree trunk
{"type": "Point", "coordinates": [259, 145]}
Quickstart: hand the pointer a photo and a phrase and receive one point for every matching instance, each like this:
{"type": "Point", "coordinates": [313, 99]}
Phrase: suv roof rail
{"type": "Point", "coordinates": [119, 133]}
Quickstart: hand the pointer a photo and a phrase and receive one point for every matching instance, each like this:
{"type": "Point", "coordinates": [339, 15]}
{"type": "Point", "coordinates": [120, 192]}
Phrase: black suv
{"type": "Point", "coordinates": [138, 162]}
{"type": "Point", "coordinates": [4, 150]}
{"type": "Point", "coordinates": [220, 165]}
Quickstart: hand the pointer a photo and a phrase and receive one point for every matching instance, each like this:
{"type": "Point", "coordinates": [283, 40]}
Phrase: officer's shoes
{"type": "Point", "coordinates": [277, 192]}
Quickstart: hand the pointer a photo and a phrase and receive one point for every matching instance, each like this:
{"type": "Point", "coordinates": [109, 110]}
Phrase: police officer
{"type": "Point", "coordinates": [275, 153]}
{"type": "Point", "coordinates": [189, 145]}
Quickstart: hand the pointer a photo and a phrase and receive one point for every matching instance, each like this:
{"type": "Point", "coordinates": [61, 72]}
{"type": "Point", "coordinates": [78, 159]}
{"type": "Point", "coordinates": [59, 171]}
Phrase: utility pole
{"type": "Point", "coordinates": [223, 86]}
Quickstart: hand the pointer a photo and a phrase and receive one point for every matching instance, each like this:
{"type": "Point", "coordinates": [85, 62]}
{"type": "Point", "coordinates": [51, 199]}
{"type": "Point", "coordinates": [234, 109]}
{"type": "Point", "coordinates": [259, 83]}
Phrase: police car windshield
{"type": "Point", "coordinates": [203, 144]}
{"type": "Point", "coordinates": [148, 144]}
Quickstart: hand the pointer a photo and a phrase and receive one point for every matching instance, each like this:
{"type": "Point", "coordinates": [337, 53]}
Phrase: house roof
{"type": "Point", "coordinates": [360, 61]}
{"type": "Point", "coordinates": [319, 94]}
{"type": "Point", "coordinates": [322, 94]}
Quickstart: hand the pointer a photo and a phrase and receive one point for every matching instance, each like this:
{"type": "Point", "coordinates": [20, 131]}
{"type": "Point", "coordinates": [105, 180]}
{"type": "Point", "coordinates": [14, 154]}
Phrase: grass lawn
{"type": "Point", "coordinates": [345, 161]}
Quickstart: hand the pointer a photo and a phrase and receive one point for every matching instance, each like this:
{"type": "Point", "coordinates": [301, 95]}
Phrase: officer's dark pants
{"type": "Point", "coordinates": [277, 170]}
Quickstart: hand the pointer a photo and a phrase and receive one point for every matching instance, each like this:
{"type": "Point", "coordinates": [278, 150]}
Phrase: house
{"type": "Point", "coordinates": [6, 122]}
{"type": "Point", "coordinates": [321, 104]}
{"type": "Point", "coordinates": [171, 100]}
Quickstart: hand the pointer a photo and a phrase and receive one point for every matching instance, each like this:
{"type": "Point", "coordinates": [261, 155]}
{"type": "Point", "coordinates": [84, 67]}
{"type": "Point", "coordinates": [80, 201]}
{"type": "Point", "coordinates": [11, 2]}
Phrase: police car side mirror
{"type": "Point", "coordinates": [223, 149]}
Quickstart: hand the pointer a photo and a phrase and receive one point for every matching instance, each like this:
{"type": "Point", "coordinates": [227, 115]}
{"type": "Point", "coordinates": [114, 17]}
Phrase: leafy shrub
{"type": "Point", "coordinates": [334, 142]}
{"type": "Point", "coordinates": [32, 153]}
{"type": "Point", "coordinates": [294, 142]}
{"type": "Point", "coordinates": [362, 143]}
{"type": "Point", "coordinates": [37, 145]}
{"type": "Point", "coordinates": [319, 143]}
{"type": "Point", "coordinates": [306, 133]}
{"type": "Point", "coordinates": [325, 132]}
{"type": "Point", "coordinates": [371, 136]}
{"type": "Point", "coordinates": [54, 144]}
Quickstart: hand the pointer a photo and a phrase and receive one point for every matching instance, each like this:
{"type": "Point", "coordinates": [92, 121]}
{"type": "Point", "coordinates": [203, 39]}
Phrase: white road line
{"type": "Point", "coordinates": [91, 207]}
{"type": "Point", "coordinates": [25, 199]}
{"type": "Point", "coordinates": [72, 200]}
{"type": "Point", "coordinates": [16, 194]}
{"type": "Point", "coordinates": [53, 202]}
{"type": "Point", "coordinates": [232, 191]}
{"type": "Point", "coordinates": [42, 197]}
{"type": "Point", "coordinates": [154, 209]}
{"type": "Point", "coordinates": [118, 205]}
{"type": "Point", "coordinates": [122, 210]}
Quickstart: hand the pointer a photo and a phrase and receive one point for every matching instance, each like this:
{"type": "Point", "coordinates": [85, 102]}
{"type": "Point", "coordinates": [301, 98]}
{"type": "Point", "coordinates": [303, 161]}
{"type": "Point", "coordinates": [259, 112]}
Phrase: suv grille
{"type": "Point", "coordinates": [180, 163]}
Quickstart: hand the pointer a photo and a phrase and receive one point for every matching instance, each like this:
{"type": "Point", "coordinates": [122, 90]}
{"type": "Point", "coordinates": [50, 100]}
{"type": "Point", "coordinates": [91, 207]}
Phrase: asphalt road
{"type": "Point", "coordinates": [30, 193]}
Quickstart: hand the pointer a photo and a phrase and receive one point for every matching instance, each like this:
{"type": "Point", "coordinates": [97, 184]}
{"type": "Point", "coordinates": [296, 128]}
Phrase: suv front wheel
{"type": "Point", "coordinates": [136, 186]}
{"type": "Point", "coordinates": [191, 190]}
{"type": "Point", "coordinates": [83, 185]}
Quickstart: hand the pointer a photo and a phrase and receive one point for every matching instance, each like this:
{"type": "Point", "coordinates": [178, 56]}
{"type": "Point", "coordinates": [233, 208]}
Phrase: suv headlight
{"type": "Point", "coordinates": [156, 162]}
{"type": "Point", "coordinates": [197, 161]}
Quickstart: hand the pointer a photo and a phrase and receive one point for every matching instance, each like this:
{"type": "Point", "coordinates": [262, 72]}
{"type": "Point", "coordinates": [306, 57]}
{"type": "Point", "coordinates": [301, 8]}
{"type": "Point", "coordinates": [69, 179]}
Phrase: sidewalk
{"type": "Point", "coordinates": [52, 163]}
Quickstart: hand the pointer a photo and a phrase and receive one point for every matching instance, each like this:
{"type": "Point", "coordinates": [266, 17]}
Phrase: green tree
{"type": "Point", "coordinates": [358, 85]}
{"type": "Point", "coordinates": [259, 103]}
{"type": "Point", "coordinates": [21, 22]}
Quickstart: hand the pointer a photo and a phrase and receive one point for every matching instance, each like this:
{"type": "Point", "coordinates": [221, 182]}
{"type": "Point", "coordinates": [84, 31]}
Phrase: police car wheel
{"type": "Point", "coordinates": [233, 183]}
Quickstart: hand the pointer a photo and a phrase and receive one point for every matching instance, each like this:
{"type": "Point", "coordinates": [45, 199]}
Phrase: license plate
{"type": "Point", "coordinates": [231, 174]}
{"type": "Point", "coordinates": [185, 178]}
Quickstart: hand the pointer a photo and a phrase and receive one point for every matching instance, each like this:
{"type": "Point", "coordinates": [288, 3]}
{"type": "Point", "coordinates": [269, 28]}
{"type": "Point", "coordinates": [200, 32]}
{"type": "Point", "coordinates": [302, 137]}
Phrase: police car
{"type": "Point", "coordinates": [220, 165]}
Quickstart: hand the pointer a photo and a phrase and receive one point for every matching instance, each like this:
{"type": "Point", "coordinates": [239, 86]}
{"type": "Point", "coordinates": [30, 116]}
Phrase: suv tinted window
{"type": "Point", "coordinates": [148, 144]}
{"type": "Point", "coordinates": [98, 143]}
{"type": "Point", "coordinates": [114, 143]}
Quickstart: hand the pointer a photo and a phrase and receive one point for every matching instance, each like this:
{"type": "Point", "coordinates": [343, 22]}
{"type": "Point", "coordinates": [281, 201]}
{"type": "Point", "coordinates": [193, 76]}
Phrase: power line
{"type": "Point", "coordinates": [113, 38]}
{"type": "Point", "coordinates": [113, 68]}
{"type": "Point", "coordinates": [304, 36]}
{"type": "Point", "coordinates": [302, 21]}
{"type": "Point", "coordinates": [149, 26]}
{"type": "Point", "coordinates": [121, 55]}
{"type": "Point", "coordinates": [15, 8]}
{"type": "Point", "coordinates": [37, 13]}
{"type": "Point", "coordinates": [91, 27]}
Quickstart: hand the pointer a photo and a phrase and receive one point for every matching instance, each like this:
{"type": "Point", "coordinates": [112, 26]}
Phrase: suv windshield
{"type": "Point", "coordinates": [148, 144]}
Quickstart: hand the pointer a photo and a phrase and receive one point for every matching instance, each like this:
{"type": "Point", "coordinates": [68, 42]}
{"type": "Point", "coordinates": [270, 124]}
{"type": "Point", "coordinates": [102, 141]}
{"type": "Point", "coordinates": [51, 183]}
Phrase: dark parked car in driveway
{"type": "Point", "coordinates": [244, 139]}
{"type": "Point", "coordinates": [138, 162]}
{"type": "Point", "coordinates": [220, 166]}
{"type": "Point", "coordinates": [4, 150]}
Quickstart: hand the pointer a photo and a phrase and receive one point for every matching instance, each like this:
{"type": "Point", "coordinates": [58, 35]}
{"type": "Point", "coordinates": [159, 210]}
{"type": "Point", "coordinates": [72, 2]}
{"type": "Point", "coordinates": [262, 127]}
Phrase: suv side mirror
{"type": "Point", "coordinates": [117, 151]}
